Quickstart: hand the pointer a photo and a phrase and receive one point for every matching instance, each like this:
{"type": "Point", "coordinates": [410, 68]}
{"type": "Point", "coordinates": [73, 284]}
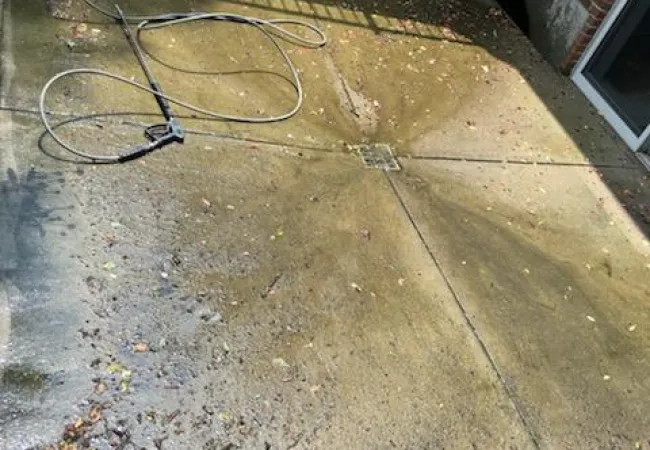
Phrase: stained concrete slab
{"type": "Point", "coordinates": [43, 369]}
{"type": "Point", "coordinates": [555, 286]}
{"type": "Point", "coordinates": [464, 82]}
{"type": "Point", "coordinates": [286, 300]}
{"type": "Point", "coordinates": [229, 292]}
{"type": "Point", "coordinates": [328, 277]}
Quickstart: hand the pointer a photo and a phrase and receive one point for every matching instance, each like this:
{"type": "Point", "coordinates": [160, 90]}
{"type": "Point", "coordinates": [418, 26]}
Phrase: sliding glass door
{"type": "Point", "coordinates": [614, 72]}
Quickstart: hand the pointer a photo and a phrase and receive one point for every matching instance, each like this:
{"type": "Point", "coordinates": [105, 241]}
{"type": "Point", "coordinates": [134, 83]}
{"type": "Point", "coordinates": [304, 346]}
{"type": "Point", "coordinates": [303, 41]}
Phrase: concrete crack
{"type": "Point", "coordinates": [459, 302]}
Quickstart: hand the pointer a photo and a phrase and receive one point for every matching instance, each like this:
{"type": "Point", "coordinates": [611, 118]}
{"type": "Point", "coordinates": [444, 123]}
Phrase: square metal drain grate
{"type": "Point", "coordinates": [377, 156]}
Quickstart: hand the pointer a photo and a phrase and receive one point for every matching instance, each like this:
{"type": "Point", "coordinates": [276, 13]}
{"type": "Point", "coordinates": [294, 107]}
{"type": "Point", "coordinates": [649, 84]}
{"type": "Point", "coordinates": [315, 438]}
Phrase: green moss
{"type": "Point", "coordinates": [23, 377]}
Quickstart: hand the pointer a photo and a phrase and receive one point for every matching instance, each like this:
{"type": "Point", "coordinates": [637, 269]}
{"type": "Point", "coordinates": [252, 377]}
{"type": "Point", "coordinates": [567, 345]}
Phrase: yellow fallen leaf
{"type": "Point", "coordinates": [125, 385]}
{"type": "Point", "coordinates": [225, 416]}
{"type": "Point", "coordinates": [66, 446]}
{"type": "Point", "coordinates": [115, 368]}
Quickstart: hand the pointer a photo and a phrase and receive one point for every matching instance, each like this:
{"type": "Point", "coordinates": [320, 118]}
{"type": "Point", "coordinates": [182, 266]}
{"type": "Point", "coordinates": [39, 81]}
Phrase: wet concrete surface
{"type": "Point", "coordinates": [230, 293]}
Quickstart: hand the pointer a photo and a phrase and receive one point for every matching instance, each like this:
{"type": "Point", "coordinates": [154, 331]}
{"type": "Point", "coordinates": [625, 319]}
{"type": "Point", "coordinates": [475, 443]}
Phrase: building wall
{"type": "Point", "coordinates": [597, 11]}
{"type": "Point", "coordinates": [555, 25]}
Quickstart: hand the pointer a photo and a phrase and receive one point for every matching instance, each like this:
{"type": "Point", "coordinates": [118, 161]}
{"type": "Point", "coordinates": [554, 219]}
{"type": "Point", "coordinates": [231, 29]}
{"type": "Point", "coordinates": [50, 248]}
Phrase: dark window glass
{"type": "Point", "coordinates": [620, 68]}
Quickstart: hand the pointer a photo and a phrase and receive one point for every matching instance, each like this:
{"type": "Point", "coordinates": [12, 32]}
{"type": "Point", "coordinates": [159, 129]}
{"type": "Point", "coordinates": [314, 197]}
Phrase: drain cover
{"type": "Point", "coordinates": [377, 156]}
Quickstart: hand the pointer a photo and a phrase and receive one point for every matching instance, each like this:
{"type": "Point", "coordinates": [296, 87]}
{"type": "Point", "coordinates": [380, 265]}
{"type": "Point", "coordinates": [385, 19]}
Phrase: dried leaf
{"type": "Point", "coordinates": [95, 414]}
{"type": "Point", "coordinates": [226, 416]}
{"type": "Point", "coordinates": [140, 347]}
{"type": "Point", "coordinates": [100, 388]}
{"type": "Point", "coordinates": [67, 446]}
{"type": "Point", "coordinates": [115, 367]}
{"type": "Point", "coordinates": [280, 363]}
{"type": "Point", "coordinates": [125, 385]}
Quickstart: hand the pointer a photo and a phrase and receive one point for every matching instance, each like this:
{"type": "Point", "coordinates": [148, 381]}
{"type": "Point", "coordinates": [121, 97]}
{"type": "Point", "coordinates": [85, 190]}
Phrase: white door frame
{"type": "Point", "coordinates": [633, 140]}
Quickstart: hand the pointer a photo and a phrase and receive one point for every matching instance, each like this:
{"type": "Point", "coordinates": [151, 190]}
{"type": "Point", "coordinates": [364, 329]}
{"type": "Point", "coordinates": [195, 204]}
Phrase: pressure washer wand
{"type": "Point", "coordinates": [158, 135]}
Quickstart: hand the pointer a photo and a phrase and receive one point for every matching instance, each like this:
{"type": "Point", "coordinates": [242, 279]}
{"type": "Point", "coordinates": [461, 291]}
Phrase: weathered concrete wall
{"type": "Point", "coordinates": [554, 26]}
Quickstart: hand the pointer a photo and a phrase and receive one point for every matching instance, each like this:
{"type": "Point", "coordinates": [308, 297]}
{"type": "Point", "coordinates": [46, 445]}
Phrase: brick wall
{"type": "Point", "coordinates": [597, 10]}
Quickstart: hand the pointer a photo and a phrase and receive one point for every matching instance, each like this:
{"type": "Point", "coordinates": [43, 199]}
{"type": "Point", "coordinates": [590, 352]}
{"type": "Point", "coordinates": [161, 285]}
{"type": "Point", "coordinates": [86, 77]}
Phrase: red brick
{"type": "Point", "coordinates": [568, 66]}
{"type": "Point", "coordinates": [597, 11]}
{"type": "Point", "coordinates": [597, 15]}
{"type": "Point", "coordinates": [583, 37]}
{"type": "Point", "coordinates": [593, 21]}
{"type": "Point", "coordinates": [598, 6]}
{"type": "Point", "coordinates": [603, 4]}
{"type": "Point", "coordinates": [580, 47]}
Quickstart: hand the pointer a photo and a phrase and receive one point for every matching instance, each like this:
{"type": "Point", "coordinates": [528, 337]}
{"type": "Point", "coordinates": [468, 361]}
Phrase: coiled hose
{"type": "Point", "coordinates": [272, 29]}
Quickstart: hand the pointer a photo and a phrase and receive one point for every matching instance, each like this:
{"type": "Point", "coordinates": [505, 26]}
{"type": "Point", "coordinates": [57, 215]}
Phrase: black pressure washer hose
{"type": "Point", "coordinates": [272, 29]}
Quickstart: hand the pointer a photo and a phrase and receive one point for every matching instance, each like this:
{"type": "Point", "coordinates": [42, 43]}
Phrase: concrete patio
{"type": "Point", "coordinates": [258, 288]}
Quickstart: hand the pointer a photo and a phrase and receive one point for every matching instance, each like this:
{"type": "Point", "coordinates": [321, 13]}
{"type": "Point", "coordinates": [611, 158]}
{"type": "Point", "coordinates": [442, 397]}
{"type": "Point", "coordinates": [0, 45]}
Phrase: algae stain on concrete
{"type": "Point", "coordinates": [365, 85]}
{"type": "Point", "coordinates": [315, 312]}
{"type": "Point", "coordinates": [530, 301]}
{"type": "Point", "coordinates": [19, 377]}
{"type": "Point", "coordinates": [416, 82]}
